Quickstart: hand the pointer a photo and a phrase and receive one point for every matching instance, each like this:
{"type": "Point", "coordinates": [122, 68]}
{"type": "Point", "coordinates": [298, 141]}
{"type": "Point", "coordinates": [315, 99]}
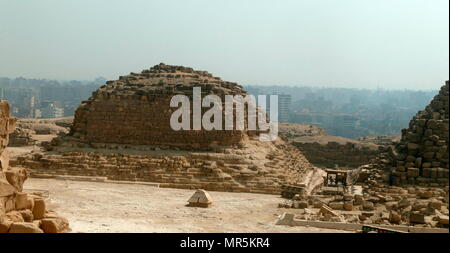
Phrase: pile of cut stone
{"type": "Point", "coordinates": [404, 185]}
{"type": "Point", "coordinates": [21, 212]}
{"type": "Point", "coordinates": [27, 213]}
{"type": "Point", "coordinates": [388, 205]}
{"type": "Point", "coordinates": [21, 137]}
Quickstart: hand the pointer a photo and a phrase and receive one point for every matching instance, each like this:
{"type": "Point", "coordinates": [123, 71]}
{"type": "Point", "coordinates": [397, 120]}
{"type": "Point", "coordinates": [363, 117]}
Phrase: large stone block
{"type": "Point", "coordinates": [55, 225]}
{"type": "Point", "coordinates": [16, 177]}
{"type": "Point", "coordinates": [417, 218]}
{"type": "Point", "coordinates": [24, 227]}
{"type": "Point", "coordinates": [348, 206]}
{"type": "Point", "coordinates": [413, 172]}
{"type": "Point", "coordinates": [443, 219]}
{"type": "Point", "coordinates": [358, 200]}
{"type": "Point", "coordinates": [21, 200]}
{"type": "Point", "coordinates": [433, 172]}
{"type": "Point", "coordinates": [326, 210]}
{"type": "Point", "coordinates": [336, 205]}
{"type": "Point", "coordinates": [5, 224]}
{"type": "Point", "coordinates": [413, 146]}
{"type": "Point", "coordinates": [426, 172]}
{"type": "Point", "coordinates": [27, 215]}
{"type": "Point", "coordinates": [394, 217]}
{"type": "Point", "coordinates": [39, 208]}
{"type": "Point", "coordinates": [368, 206]}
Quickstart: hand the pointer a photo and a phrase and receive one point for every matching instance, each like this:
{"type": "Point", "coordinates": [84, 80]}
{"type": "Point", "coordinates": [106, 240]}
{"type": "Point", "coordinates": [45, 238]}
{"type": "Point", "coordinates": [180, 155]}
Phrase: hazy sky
{"type": "Point", "coordinates": [334, 43]}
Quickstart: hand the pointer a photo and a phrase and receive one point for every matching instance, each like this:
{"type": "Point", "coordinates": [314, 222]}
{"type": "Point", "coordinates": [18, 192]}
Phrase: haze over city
{"type": "Point", "coordinates": [400, 44]}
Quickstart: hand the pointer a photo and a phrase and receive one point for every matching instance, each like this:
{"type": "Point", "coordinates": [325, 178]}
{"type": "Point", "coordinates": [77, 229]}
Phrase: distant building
{"type": "Point", "coordinates": [59, 112]}
{"type": "Point", "coordinates": [284, 103]}
{"type": "Point", "coordinates": [253, 91]}
{"type": "Point", "coordinates": [37, 113]}
{"type": "Point", "coordinates": [26, 104]}
{"type": "Point", "coordinates": [284, 107]}
{"type": "Point", "coordinates": [51, 109]}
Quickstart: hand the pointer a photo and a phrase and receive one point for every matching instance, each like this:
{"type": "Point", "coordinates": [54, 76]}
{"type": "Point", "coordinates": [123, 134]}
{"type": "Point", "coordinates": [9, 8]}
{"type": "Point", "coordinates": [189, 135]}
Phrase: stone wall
{"type": "Point", "coordinates": [21, 137]}
{"type": "Point", "coordinates": [411, 206]}
{"type": "Point", "coordinates": [334, 154]}
{"type": "Point", "coordinates": [255, 167]}
{"type": "Point", "coordinates": [143, 122]}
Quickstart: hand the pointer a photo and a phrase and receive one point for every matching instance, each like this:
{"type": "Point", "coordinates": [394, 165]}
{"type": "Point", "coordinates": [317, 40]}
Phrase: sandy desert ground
{"type": "Point", "coordinates": [110, 207]}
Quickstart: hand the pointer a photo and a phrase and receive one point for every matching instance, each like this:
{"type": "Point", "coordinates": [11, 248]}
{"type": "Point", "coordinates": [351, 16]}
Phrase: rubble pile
{"type": "Point", "coordinates": [406, 184]}
{"type": "Point", "coordinates": [326, 151]}
{"type": "Point", "coordinates": [258, 167]}
{"type": "Point", "coordinates": [412, 206]}
{"type": "Point", "coordinates": [21, 211]}
{"type": "Point", "coordinates": [21, 137]}
{"type": "Point", "coordinates": [332, 154]}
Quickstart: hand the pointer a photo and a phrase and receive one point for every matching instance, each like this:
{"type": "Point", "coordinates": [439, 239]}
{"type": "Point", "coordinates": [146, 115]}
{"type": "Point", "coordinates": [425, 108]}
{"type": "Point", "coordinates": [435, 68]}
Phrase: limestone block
{"type": "Point", "coordinates": [417, 218]}
{"type": "Point", "coordinates": [413, 172]}
{"type": "Point", "coordinates": [5, 224]}
{"type": "Point", "coordinates": [394, 217]}
{"type": "Point", "coordinates": [27, 215]}
{"type": "Point", "coordinates": [24, 227]}
{"type": "Point", "coordinates": [336, 205]}
{"type": "Point", "coordinates": [16, 177]}
{"type": "Point", "coordinates": [348, 206]}
{"type": "Point", "coordinates": [39, 208]}
{"type": "Point", "coordinates": [368, 206]}
{"type": "Point", "coordinates": [21, 200]}
{"type": "Point", "coordinates": [326, 210]}
{"type": "Point", "coordinates": [358, 200]}
{"type": "Point", "coordinates": [443, 219]}
{"type": "Point", "coordinates": [55, 225]}
{"type": "Point", "coordinates": [435, 204]}
{"type": "Point", "coordinates": [413, 146]}
{"type": "Point", "coordinates": [14, 216]}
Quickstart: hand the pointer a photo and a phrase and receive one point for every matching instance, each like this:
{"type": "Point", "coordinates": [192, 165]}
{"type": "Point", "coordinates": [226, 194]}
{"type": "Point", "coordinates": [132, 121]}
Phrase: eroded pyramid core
{"type": "Point", "coordinates": [123, 132]}
{"type": "Point", "coordinates": [136, 110]}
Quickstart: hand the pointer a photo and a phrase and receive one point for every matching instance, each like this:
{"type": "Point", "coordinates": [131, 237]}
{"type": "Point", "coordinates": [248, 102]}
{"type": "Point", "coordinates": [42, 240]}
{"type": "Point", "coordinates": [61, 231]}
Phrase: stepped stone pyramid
{"type": "Point", "coordinates": [123, 133]}
{"type": "Point", "coordinates": [422, 154]}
